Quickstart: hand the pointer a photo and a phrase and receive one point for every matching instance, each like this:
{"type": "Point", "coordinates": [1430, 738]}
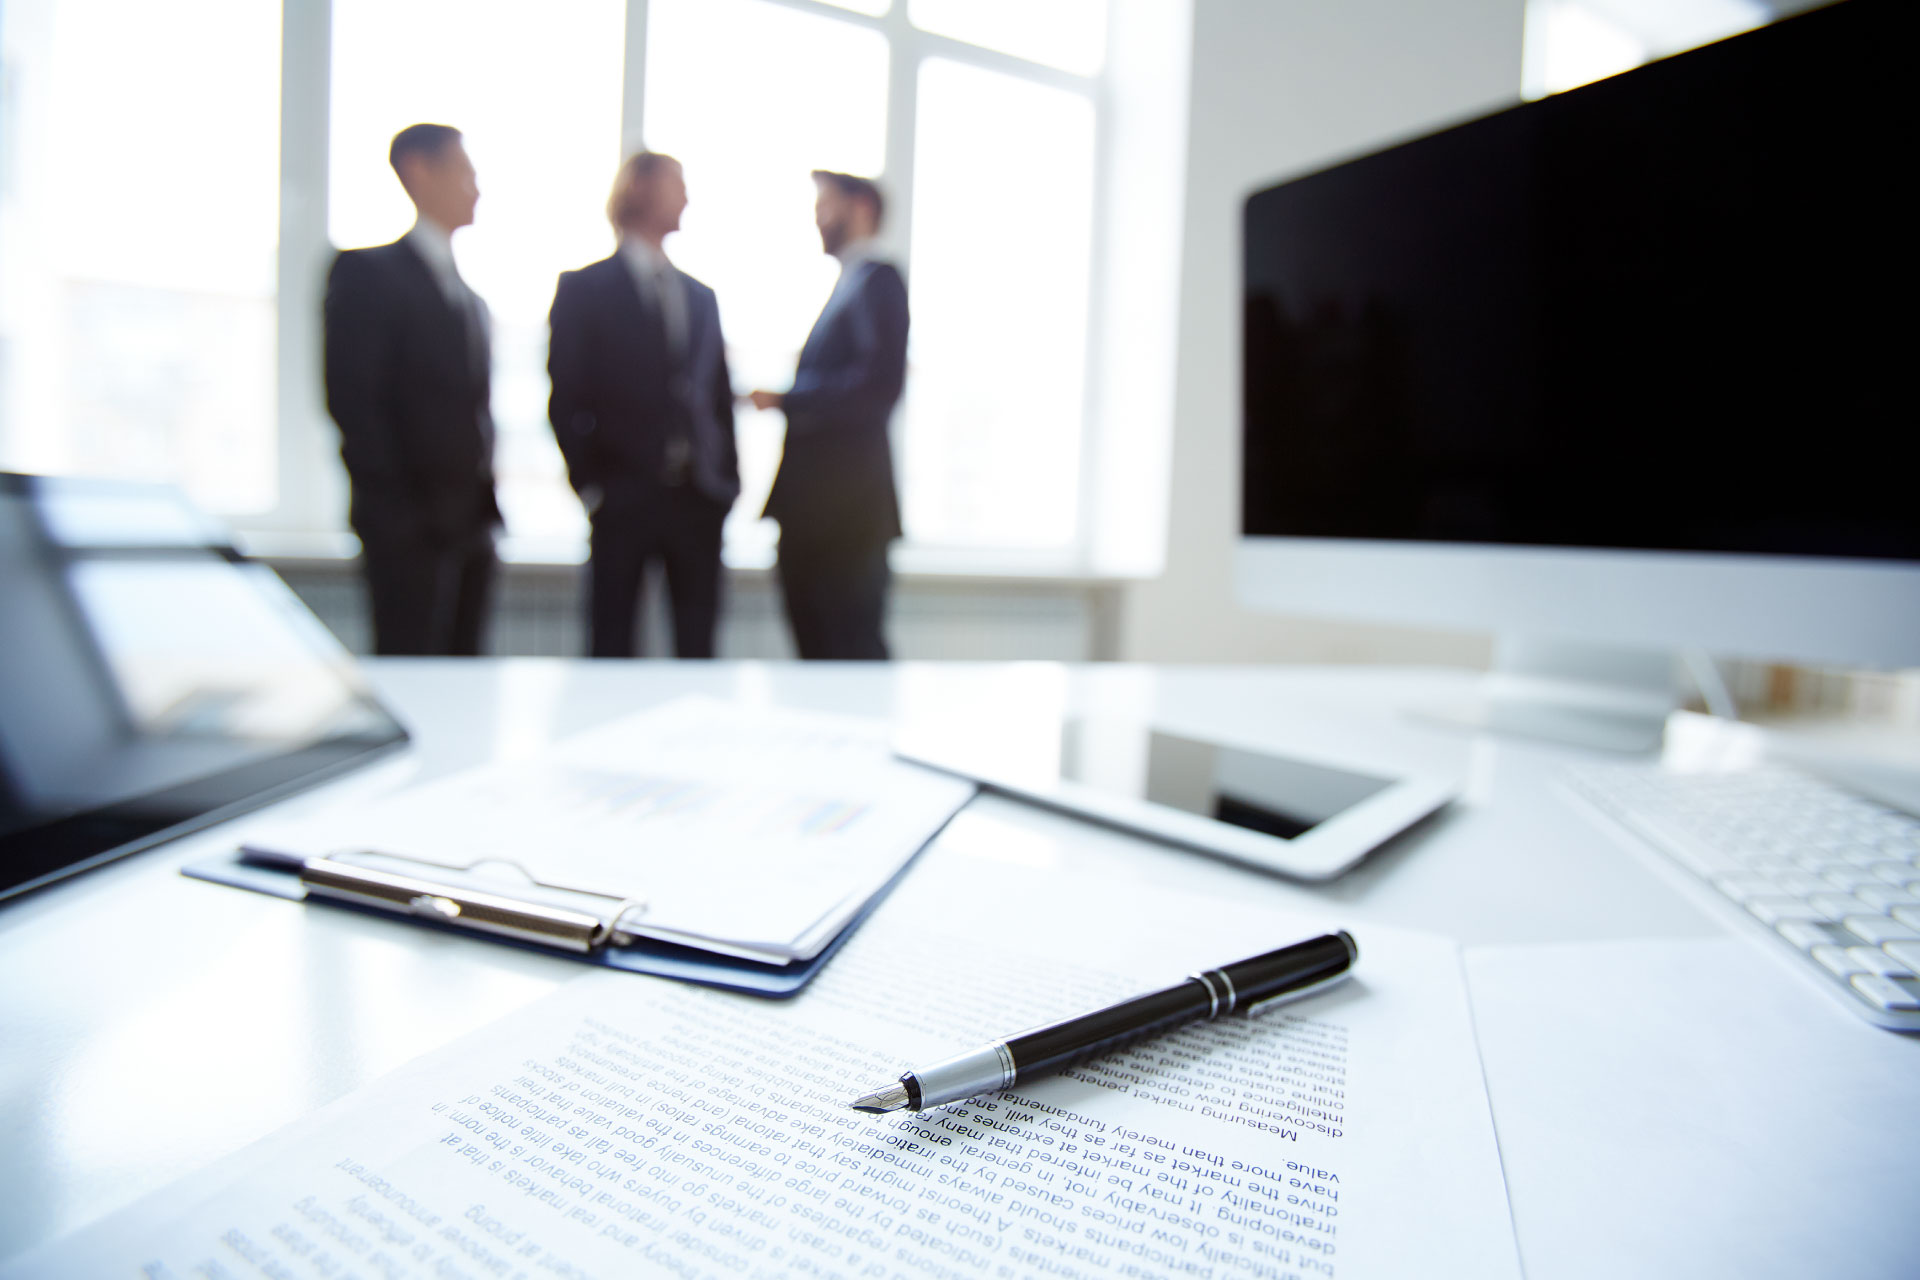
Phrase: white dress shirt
{"type": "Point", "coordinates": [434, 244]}
{"type": "Point", "coordinates": [660, 285]}
{"type": "Point", "coordinates": [851, 255]}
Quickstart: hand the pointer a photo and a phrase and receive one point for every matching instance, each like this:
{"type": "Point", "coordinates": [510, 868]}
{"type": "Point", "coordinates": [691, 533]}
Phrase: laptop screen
{"type": "Point", "coordinates": [151, 679]}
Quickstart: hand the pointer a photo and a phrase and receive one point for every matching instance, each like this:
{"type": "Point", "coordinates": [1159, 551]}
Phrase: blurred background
{"type": "Point", "coordinates": [1065, 179]}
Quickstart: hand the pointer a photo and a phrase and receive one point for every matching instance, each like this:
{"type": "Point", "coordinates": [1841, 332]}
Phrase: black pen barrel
{"type": "Point", "coordinates": [1214, 993]}
{"type": "Point", "coordinates": [1277, 972]}
{"type": "Point", "coordinates": [1061, 1044]}
{"type": "Point", "coordinates": [1241, 987]}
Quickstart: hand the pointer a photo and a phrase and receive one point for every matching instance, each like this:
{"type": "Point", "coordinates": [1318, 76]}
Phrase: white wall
{"type": "Point", "coordinates": [1282, 87]}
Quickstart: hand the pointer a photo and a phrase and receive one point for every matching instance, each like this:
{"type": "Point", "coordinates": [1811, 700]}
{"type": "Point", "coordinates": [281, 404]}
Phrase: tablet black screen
{"type": "Point", "coordinates": [151, 678]}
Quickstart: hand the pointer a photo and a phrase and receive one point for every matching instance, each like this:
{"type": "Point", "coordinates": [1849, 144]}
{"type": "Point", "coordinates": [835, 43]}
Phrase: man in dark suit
{"type": "Point", "coordinates": [834, 495]}
{"type": "Point", "coordinates": [408, 371]}
{"type": "Point", "coordinates": [643, 409]}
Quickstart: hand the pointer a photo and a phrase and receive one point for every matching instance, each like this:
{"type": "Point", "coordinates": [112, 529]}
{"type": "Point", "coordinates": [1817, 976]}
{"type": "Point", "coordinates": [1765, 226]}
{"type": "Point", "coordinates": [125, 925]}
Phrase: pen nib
{"type": "Point", "coordinates": [881, 1101]}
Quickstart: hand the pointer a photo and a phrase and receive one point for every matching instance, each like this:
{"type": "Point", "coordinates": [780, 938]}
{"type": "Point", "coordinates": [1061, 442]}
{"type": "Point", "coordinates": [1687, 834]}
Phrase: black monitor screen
{"type": "Point", "coordinates": [1668, 310]}
{"type": "Point", "coordinates": [150, 678]}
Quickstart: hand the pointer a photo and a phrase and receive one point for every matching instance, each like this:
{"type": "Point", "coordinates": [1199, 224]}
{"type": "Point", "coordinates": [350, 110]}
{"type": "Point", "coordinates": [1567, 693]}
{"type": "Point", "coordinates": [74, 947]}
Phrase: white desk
{"type": "Point", "coordinates": [150, 1024]}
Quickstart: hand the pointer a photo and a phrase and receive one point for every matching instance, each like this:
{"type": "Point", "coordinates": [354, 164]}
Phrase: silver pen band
{"type": "Point", "coordinates": [1220, 993]}
{"type": "Point", "coordinates": [982, 1070]}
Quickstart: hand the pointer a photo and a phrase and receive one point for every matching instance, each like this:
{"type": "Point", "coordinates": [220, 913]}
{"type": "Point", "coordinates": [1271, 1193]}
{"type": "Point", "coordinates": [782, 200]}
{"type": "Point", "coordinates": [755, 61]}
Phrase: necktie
{"type": "Point", "coordinates": [664, 297]}
{"type": "Point", "coordinates": [479, 341]}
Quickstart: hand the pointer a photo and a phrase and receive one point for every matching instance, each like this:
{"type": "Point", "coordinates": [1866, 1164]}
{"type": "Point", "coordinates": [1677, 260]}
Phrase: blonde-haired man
{"type": "Point", "coordinates": [643, 409]}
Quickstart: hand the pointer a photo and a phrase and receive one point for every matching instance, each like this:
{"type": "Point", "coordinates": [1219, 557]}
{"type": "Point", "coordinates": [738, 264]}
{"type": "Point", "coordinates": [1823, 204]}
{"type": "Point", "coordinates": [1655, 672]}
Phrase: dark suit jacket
{"type": "Point", "coordinates": [617, 397]}
{"type": "Point", "coordinates": [410, 388]}
{"type": "Point", "coordinates": [836, 477]}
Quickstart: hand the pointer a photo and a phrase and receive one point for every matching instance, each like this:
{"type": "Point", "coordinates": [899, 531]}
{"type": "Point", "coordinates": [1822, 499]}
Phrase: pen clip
{"type": "Point", "coordinates": [1259, 1007]}
{"type": "Point", "coordinates": [466, 906]}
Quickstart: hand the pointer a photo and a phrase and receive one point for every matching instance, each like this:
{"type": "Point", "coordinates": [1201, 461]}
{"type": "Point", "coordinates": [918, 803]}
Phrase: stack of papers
{"type": "Point", "coordinates": [617, 1128]}
{"type": "Point", "coordinates": [747, 832]}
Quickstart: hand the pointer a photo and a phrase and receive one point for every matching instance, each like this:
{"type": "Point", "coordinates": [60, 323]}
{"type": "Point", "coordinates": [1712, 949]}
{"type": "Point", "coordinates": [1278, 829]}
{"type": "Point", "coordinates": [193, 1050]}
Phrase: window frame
{"type": "Point", "coordinates": [309, 513]}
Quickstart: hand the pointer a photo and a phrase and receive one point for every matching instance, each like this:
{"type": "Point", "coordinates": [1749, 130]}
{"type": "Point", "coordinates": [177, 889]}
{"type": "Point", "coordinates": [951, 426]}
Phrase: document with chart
{"type": "Point", "coordinates": [628, 1127]}
{"type": "Point", "coordinates": [753, 832]}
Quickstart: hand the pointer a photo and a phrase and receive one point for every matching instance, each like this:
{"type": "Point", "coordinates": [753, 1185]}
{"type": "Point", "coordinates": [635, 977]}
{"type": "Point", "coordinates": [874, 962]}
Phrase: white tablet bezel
{"type": "Point", "coordinates": [1318, 854]}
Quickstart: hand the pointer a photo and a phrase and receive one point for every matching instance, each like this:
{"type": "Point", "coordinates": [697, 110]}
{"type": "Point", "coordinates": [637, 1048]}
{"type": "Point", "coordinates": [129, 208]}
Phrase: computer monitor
{"type": "Point", "coordinates": [1613, 375]}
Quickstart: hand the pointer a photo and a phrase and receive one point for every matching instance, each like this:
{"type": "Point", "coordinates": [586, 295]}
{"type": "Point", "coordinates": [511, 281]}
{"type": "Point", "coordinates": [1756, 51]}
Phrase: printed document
{"type": "Point", "coordinates": [755, 832]}
{"type": "Point", "coordinates": [630, 1126]}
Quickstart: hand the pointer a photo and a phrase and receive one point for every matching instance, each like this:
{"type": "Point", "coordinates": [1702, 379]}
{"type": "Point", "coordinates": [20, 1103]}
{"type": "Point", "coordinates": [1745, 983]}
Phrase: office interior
{"type": "Point", "coordinates": [1067, 182]}
{"type": "Point", "coordinates": [177, 182]}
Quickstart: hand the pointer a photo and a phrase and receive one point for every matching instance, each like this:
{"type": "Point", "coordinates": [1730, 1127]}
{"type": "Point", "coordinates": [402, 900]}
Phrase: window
{"type": "Point", "coordinates": [751, 97]}
{"type": "Point", "coordinates": [991, 193]}
{"type": "Point", "coordinates": [536, 92]}
{"type": "Point", "coordinates": [1068, 34]}
{"type": "Point", "coordinates": [1002, 242]}
{"type": "Point", "coordinates": [141, 263]}
{"type": "Point", "coordinates": [138, 233]}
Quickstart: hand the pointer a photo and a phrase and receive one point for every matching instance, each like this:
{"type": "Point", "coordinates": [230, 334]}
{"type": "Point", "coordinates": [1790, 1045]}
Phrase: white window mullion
{"type": "Point", "coordinates": [311, 492]}
{"type": "Point", "coordinates": [903, 71]}
{"type": "Point", "coordinates": [633, 81]}
{"type": "Point", "coordinates": [1092, 413]}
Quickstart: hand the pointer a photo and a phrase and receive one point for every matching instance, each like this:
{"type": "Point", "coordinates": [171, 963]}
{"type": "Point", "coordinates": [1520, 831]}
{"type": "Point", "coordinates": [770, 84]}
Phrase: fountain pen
{"type": "Point", "coordinates": [1253, 986]}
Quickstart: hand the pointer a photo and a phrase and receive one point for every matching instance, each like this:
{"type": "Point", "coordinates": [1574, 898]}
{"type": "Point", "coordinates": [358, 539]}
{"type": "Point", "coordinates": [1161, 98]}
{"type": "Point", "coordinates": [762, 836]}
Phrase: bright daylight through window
{"type": "Point", "coordinates": [145, 346]}
{"type": "Point", "coordinates": [138, 226]}
{"type": "Point", "coordinates": [1003, 210]}
{"type": "Point", "coordinates": [734, 89]}
{"type": "Point", "coordinates": [545, 152]}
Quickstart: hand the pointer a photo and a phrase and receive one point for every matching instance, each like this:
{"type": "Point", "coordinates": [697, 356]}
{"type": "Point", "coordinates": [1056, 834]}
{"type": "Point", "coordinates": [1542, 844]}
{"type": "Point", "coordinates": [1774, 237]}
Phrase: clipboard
{"type": "Point", "coordinates": [545, 919]}
{"type": "Point", "coordinates": [708, 842]}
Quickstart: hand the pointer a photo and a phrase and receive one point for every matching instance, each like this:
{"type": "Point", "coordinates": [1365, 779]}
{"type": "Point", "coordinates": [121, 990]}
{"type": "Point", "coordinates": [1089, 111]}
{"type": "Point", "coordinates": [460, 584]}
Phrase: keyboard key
{"type": "Point", "coordinates": [1876, 960]}
{"type": "Point", "coordinates": [1812, 933]}
{"type": "Point", "coordinates": [1775, 910]}
{"type": "Point", "coordinates": [1772, 864]}
{"type": "Point", "coordinates": [1884, 992]}
{"type": "Point", "coordinates": [1840, 960]}
{"type": "Point", "coordinates": [1879, 929]}
{"type": "Point", "coordinates": [1837, 906]}
{"type": "Point", "coordinates": [1882, 896]}
{"type": "Point", "coordinates": [1854, 880]}
{"type": "Point", "coordinates": [1906, 953]}
{"type": "Point", "coordinates": [1799, 884]}
{"type": "Point", "coordinates": [1906, 915]}
{"type": "Point", "coordinates": [1901, 873]}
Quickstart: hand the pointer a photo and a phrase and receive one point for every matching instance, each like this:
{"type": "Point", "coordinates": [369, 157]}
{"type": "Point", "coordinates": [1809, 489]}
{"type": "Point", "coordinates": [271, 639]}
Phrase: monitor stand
{"type": "Point", "coordinates": [1586, 695]}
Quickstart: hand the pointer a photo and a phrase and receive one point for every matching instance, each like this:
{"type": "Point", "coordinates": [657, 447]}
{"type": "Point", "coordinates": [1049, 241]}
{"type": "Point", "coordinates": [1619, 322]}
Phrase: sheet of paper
{"type": "Point", "coordinates": [754, 831]}
{"type": "Point", "coordinates": [626, 1126]}
{"type": "Point", "coordinates": [1687, 1109]}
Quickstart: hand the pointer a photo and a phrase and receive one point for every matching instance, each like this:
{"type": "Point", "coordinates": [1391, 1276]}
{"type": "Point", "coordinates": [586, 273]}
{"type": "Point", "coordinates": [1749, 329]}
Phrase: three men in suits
{"type": "Point", "coordinates": [408, 378]}
{"type": "Point", "coordinates": [834, 495]}
{"type": "Point", "coordinates": [642, 407]}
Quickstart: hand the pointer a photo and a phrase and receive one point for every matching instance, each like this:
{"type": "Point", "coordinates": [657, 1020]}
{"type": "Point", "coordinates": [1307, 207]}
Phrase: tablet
{"type": "Point", "coordinates": [1304, 818]}
{"type": "Point", "coordinates": [152, 680]}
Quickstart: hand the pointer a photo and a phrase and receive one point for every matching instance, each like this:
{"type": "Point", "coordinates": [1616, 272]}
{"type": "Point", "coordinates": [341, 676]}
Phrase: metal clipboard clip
{"type": "Point", "coordinates": [547, 915]}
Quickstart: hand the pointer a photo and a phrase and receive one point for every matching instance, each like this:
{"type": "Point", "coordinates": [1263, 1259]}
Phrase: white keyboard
{"type": "Point", "coordinates": [1829, 878]}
